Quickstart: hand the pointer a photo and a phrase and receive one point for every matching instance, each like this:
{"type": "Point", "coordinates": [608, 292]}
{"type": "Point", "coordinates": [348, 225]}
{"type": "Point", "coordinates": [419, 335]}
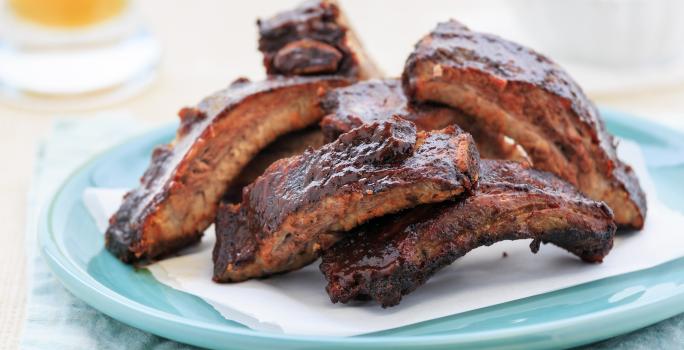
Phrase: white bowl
{"type": "Point", "coordinates": [608, 32]}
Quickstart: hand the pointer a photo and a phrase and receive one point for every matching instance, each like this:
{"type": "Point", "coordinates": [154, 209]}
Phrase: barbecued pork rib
{"type": "Point", "coordinates": [304, 204]}
{"type": "Point", "coordinates": [513, 90]}
{"type": "Point", "coordinates": [314, 38]}
{"type": "Point", "coordinates": [180, 190]}
{"type": "Point", "coordinates": [391, 256]}
{"type": "Point", "coordinates": [379, 99]}
{"type": "Point", "coordinates": [288, 145]}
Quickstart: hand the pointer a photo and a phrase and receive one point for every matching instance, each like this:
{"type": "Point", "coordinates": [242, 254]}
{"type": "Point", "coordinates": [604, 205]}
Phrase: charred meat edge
{"type": "Point", "coordinates": [513, 90]}
{"type": "Point", "coordinates": [288, 145]}
{"type": "Point", "coordinates": [304, 204]}
{"type": "Point", "coordinates": [392, 256]}
{"type": "Point", "coordinates": [377, 100]}
{"type": "Point", "coordinates": [179, 192]}
{"type": "Point", "coordinates": [314, 38]}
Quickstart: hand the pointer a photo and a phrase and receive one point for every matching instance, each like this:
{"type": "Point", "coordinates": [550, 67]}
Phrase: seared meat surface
{"type": "Point", "coordinates": [304, 204]}
{"type": "Point", "coordinates": [288, 145]}
{"type": "Point", "coordinates": [514, 91]}
{"type": "Point", "coordinates": [391, 256]}
{"type": "Point", "coordinates": [314, 38]}
{"type": "Point", "coordinates": [380, 99]}
{"type": "Point", "coordinates": [180, 191]}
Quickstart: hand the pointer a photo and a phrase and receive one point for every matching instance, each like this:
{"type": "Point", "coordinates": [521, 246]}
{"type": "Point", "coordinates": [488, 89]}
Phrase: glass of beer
{"type": "Point", "coordinates": [67, 13]}
{"type": "Point", "coordinates": [73, 54]}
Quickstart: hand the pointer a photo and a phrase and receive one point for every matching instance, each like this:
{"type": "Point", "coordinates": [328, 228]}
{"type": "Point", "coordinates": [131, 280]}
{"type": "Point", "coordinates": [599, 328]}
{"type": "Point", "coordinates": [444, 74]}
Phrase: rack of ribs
{"type": "Point", "coordinates": [179, 193]}
{"type": "Point", "coordinates": [302, 205]}
{"type": "Point", "coordinates": [379, 99]}
{"type": "Point", "coordinates": [514, 91]}
{"type": "Point", "coordinates": [392, 256]}
{"type": "Point", "coordinates": [313, 39]}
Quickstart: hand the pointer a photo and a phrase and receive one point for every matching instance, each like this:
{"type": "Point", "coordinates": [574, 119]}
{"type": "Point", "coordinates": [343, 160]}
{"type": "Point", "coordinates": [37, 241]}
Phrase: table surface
{"type": "Point", "coordinates": [206, 45]}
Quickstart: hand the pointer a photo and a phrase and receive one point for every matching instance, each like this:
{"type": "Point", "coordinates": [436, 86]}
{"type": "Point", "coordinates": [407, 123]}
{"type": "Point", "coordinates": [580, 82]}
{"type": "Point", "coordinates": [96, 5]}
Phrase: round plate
{"type": "Point", "coordinates": [73, 248]}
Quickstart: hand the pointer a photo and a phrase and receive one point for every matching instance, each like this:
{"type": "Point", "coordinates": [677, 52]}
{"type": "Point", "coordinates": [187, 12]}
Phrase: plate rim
{"type": "Point", "coordinates": [135, 314]}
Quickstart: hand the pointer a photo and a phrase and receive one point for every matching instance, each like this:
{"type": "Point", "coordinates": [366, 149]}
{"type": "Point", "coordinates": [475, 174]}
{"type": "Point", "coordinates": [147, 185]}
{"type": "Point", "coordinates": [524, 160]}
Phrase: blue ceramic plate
{"type": "Point", "coordinates": [73, 248]}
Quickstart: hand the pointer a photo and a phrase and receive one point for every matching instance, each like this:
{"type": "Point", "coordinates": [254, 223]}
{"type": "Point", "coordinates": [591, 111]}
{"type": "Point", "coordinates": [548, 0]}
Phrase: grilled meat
{"type": "Point", "coordinates": [392, 256]}
{"type": "Point", "coordinates": [314, 38]}
{"type": "Point", "coordinates": [304, 204]}
{"type": "Point", "coordinates": [377, 100]}
{"type": "Point", "coordinates": [514, 91]}
{"type": "Point", "coordinates": [288, 145]}
{"type": "Point", "coordinates": [179, 192]}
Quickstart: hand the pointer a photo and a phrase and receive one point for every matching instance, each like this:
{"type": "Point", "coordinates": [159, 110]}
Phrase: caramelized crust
{"type": "Point", "coordinates": [377, 100]}
{"type": "Point", "coordinates": [517, 92]}
{"type": "Point", "coordinates": [392, 256]}
{"type": "Point", "coordinates": [288, 145]}
{"type": "Point", "coordinates": [179, 192]}
{"type": "Point", "coordinates": [314, 38]}
{"type": "Point", "coordinates": [302, 205]}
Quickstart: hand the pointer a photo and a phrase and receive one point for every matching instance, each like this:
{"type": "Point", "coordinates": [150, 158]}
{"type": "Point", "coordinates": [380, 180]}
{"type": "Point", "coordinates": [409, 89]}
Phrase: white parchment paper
{"type": "Point", "coordinates": [296, 303]}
